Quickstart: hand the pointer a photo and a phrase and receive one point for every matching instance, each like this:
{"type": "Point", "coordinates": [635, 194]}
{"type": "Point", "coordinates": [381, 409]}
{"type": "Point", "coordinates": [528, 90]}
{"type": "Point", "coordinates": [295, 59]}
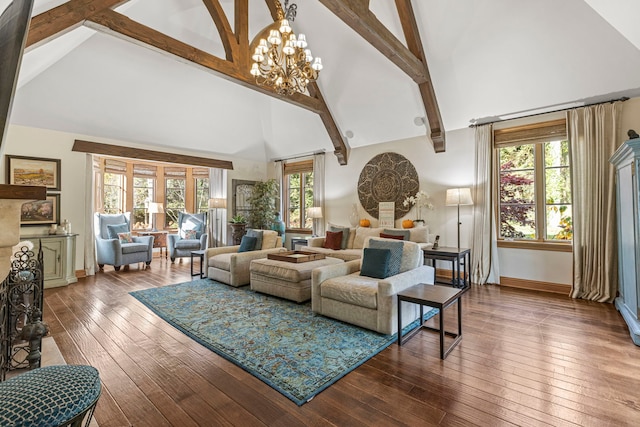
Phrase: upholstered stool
{"type": "Point", "coordinates": [51, 396]}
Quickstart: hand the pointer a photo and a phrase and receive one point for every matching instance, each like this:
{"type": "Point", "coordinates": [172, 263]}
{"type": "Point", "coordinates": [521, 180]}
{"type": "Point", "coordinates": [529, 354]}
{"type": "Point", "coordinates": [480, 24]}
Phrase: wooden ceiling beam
{"type": "Point", "coordinates": [121, 26]}
{"type": "Point", "coordinates": [61, 19]}
{"type": "Point", "coordinates": [414, 44]}
{"type": "Point", "coordinates": [356, 14]}
{"type": "Point", "coordinates": [227, 36]}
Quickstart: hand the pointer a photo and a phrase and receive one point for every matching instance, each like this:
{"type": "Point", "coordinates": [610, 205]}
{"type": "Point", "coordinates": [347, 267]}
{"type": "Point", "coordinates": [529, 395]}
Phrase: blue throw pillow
{"type": "Point", "coordinates": [375, 263]}
{"type": "Point", "coordinates": [396, 253]}
{"type": "Point", "coordinates": [114, 229]}
{"type": "Point", "coordinates": [258, 235]}
{"type": "Point", "coordinates": [247, 244]}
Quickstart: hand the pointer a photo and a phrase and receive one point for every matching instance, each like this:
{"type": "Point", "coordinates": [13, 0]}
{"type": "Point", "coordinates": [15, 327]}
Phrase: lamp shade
{"type": "Point", "coordinates": [217, 203]}
{"type": "Point", "coordinates": [314, 212]}
{"type": "Point", "coordinates": [458, 196]}
{"type": "Point", "coordinates": [155, 207]}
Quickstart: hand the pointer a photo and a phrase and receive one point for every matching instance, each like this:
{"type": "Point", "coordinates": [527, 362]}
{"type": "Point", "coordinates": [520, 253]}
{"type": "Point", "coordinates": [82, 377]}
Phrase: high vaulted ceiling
{"type": "Point", "coordinates": [486, 59]}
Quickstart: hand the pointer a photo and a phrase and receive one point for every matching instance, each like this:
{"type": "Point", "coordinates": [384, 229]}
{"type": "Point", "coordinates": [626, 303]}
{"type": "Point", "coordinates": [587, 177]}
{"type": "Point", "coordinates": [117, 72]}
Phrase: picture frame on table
{"type": "Point", "coordinates": [41, 212]}
{"type": "Point", "coordinates": [22, 170]}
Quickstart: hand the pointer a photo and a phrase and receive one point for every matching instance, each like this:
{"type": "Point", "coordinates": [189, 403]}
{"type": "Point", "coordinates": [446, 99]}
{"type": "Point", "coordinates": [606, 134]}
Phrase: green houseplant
{"type": "Point", "coordinates": [263, 204]}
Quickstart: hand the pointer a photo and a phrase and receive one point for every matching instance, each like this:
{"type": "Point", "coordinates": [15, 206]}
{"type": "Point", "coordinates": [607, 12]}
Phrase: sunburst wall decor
{"type": "Point", "coordinates": [388, 177]}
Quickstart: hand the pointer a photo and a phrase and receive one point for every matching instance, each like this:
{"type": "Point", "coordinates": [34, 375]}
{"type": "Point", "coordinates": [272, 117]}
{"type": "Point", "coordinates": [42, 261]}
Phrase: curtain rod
{"type": "Point", "coordinates": [299, 156]}
{"type": "Point", "coordinates": [624, 98]}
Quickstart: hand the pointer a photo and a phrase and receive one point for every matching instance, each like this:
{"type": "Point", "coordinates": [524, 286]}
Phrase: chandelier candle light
{"type": "Point", "coordinates": [282, 61]}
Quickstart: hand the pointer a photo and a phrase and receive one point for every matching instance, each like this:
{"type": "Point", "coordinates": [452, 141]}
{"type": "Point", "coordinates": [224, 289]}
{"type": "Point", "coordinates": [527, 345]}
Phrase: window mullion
{"type": "Point", "coordinates": [540, 192]}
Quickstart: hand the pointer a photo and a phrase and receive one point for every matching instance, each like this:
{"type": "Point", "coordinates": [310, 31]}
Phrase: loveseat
{"type": "Point", "coordinates": [352, 244]}
{"type": "Point", "coordinates": [227, 265]}
{"type": "Point", "coordinates": [341, 292]}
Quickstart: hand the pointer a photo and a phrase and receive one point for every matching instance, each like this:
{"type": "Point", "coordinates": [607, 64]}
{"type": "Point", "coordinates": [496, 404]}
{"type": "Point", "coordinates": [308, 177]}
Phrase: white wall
{"type": "Point", "coordinates": [26, 141]}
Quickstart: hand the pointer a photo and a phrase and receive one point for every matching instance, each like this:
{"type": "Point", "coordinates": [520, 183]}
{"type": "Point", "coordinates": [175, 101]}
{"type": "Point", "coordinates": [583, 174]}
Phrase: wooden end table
{"type": "Point", "coordinates": [456, 256]}
{"type": "Point", "coordinates": [435, 296]}
{"type": "Point", "coordinates": [159, 239]}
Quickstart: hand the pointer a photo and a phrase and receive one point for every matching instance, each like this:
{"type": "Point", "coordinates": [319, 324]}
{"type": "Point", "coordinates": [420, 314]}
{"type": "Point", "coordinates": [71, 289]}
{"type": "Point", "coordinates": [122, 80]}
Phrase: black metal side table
{"type": "Point", "coordinates": [435, 296]}
{"type": "Point", "coordinates": [457, 256]}
{"type": "Point", "coordinates": [199, 254]}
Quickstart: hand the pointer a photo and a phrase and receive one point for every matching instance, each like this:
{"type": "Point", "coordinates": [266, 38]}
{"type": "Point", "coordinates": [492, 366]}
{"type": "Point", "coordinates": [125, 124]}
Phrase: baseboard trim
{"type": "Point", "coordinates": [512, 282]}
{"type": "Point", "coordinates": [534, 285]}
{"type": "Point", "coordinates": [81, 274]}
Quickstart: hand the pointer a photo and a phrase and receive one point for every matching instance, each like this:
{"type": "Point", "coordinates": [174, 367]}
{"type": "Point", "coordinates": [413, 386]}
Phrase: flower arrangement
{"type": "Point", "coordinates": [420, 200]}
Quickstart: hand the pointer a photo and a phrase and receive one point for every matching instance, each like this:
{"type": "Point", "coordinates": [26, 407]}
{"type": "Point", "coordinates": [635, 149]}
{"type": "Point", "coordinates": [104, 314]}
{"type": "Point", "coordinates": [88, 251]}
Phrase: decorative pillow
{"type": "Point", "coordinates": [190, 234]}
{"type": "Point", "coordinates": [345, 235]}
{"type": "Point", "coordinates": [125, 237]}
{"type": "Point", "coordinates": [396, 253]}
{"type": "Point", "coordinates": [361, 235]}
{"type": "Point", "coordinates": [191, 224]}
{"type": "Point", "coordinates": [247, 244]}
{"type": "Point", "coordinates": [258, 234]}
{"type": "Point", "coordinates": [270, 240]}
{"type": "Point", "coordinates": [404, 233]}
{"type": "Point", "coordinates": [333, 240]}
{"type": "Point", "coordinates": [391, 236]}
{"type": "Point", "coordinates": [375, 263]}
{"type": "Point", "coordinates": [419, 234]}
{"type": "Point", "coordinates": [115, 229]}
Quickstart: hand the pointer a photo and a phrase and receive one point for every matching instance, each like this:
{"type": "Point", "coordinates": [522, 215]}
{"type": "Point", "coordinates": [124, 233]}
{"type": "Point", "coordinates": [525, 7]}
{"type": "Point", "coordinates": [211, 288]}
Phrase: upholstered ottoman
{"type": "Point", "coordinates": [283, 279]}
{"type": "Point", "coordinates": [62, 395]}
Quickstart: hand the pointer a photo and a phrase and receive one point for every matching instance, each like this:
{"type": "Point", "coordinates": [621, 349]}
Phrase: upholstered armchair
{"type": "Point", "coordinates": [227, 265]}
{"type": "Point", "coordinates": [114, 243]}
{"type": "Point", "coordinates": [191, 236]}
{"type": "Point", "coordinates": [341, 292]}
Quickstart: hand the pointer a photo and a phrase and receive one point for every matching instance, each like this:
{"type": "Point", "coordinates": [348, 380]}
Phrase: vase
{"type": "Point", "coordinates": [354, 217]}
{"type": "Point", "coordinates": [238, 230]}
{"type": "Point", "coordinates": [278, 225]}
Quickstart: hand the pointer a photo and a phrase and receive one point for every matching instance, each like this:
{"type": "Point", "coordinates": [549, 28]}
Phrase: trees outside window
{"type": "Point", "coordinates": [299, 200]}
{"type": "Point", "coordinates": [202, 195]}
{"type": "Point", "coordinates": [535, 186]}
{"type": "Point", "coordinates": [113, 190]}
{"type": "Point", "coordinates": [174, 201]}
{"type": "Point", "coordinates": [142, 195]}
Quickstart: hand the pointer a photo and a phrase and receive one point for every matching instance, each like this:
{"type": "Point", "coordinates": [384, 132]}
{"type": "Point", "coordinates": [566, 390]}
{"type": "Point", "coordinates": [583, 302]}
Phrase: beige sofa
{"type": "Point", "coordinates": [340, 292]}
{"type": "Point", "coordinates": [357, 237]}
{"type": "Point", "coordinates": [227, 265]}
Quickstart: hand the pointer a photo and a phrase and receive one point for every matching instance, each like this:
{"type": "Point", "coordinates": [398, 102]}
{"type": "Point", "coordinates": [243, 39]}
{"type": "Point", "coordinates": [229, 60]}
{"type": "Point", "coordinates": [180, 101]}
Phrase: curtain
{"type": "Point", "coordinates": [277, 175]}
{"type": "Point", "coordinates": [593, 137]}
{"type": "Point", "coordinates": [217, 216]}
{"type": "Point", "coordinates": [318, 191]}
{"type": "Point", "coordinates": [484, 248]}
{"type": "Point", "coordinates": [93, 177]}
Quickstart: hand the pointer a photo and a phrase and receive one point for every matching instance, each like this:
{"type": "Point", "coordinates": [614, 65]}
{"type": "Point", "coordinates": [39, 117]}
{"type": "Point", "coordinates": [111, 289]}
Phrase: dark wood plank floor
{"type": "Point", "coordinates": [526, 358]}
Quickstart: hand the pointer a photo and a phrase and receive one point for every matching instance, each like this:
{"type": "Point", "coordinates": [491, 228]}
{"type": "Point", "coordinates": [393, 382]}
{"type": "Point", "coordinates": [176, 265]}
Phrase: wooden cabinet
{"type": "Point", "coordinates": [626, 161]}
{"type": "Point", "coordinates": [59, 258]}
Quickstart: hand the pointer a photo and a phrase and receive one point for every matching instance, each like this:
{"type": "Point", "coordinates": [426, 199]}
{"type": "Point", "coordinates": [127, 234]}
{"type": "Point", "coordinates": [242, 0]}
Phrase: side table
{"type": "Point", "coordinates": [435, 296]}
{"type": "Point", "coordinates": [200, 254]}
{"type": "Point", "coordinates": [456, 256]}
{"type": "Point", "coordinates": [159, 239]}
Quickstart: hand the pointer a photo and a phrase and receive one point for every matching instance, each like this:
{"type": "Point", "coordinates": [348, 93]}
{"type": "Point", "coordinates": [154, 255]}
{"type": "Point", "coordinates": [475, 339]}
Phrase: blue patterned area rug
{"type": "Point", "coordinates": [282, 343]}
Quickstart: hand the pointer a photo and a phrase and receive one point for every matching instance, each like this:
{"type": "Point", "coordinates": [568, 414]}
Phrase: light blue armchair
{"type": "Point", "coordinates": [191, 235]}
{"type": "Point", "coordinates": [110, 250]}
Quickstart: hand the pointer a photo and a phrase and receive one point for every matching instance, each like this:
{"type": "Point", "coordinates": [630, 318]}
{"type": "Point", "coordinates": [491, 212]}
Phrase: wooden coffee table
{"type": "Point", "coordinates": [435, 296]}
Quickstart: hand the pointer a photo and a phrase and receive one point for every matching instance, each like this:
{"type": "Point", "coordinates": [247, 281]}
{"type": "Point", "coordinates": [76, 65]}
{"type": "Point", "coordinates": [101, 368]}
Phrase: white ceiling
{"type": "Point", "coordinates": [487, 58]}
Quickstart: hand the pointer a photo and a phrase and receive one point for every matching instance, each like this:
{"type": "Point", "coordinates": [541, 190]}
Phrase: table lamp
{"type": "Point", "coordinates": [155, 208]}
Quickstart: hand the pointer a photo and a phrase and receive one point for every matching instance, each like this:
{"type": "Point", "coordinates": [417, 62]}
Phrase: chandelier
{"type": "Point", "coordinates": [283, 62]}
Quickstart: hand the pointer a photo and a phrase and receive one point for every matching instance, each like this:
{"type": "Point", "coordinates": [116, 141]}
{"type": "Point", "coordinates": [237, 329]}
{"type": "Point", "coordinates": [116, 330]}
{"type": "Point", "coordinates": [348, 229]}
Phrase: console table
{"type": "Point", "coordinates": [456, 256]}
{"type": "Point", "coordinates": [58, 257]}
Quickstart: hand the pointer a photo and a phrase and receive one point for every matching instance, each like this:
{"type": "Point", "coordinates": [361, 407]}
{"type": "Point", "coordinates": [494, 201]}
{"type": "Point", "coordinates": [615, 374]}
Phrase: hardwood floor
{"type": "Point", "coordinates": [527, 358]}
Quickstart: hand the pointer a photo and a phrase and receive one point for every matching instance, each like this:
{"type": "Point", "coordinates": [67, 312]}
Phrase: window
{"type": "Point", "coordinates": [113, 193]}
{"type": "Point", "coordinates": [142, 195]}
{"type": "Point", "coordinates": [534, 183]}
{"type": "Point", "coordinates": [298, 182]}
{"type": "Point", "coordinates": [201, 188]}
{"type": "Point", "coordinates": [174, 201]}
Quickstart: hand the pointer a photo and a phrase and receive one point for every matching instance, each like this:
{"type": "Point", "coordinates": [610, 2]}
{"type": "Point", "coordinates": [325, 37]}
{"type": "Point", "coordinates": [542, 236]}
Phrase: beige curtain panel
{"type": "Point", "coordinates": [594, 138]}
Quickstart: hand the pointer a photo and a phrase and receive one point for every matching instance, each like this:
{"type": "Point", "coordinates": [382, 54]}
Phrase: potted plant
{"type": "Point", "coordinates": [263, 204]}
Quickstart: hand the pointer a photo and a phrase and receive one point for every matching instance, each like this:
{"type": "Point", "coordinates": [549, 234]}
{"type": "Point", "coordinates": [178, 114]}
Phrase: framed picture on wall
{"type": "Point", "coordinates": [41, 212]}
{"type": "Point", "coordinates": [33, 171]}
{"type": "Point", "coordinates": [386, 214]}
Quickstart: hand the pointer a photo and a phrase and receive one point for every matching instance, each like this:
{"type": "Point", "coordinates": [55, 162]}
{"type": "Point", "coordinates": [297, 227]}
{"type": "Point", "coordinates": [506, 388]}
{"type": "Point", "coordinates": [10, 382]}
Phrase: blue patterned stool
{"type": "Point", "coordinates": [50, 396]}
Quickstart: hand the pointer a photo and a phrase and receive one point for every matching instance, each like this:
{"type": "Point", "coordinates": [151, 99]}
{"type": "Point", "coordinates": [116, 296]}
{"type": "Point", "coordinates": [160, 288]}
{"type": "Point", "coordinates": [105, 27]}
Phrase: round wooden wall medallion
{"type": "Point", "coordinates": [388, 177]}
